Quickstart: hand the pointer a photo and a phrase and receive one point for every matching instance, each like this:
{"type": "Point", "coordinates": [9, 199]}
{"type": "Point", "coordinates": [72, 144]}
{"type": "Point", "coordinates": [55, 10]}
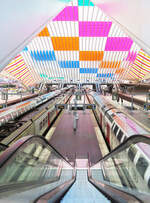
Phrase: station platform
{"type": "Point", "coordinates": [138, 114]}
{"type": "Point", "coordinates": [139, 99]}
{"type": "Point", "coordinates": [84, 143]}
{"type": "Point", "coordinates": [68, 164]}
{"type": "Point", "coordinates": [13, 99]}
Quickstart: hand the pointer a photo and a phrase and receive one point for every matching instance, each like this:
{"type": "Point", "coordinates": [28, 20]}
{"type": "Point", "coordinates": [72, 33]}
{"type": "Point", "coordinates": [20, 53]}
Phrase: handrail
{"type": "Point", "coordinates": [8, 153]}
{"type": "Point", "coordinates": [113, 189]}
{"type": "Point", "coordinates": [131, 140]}
{"type": "Point", "coordinates": [112, 193]}
{"type": "Point", "coordinates": [57, 193]}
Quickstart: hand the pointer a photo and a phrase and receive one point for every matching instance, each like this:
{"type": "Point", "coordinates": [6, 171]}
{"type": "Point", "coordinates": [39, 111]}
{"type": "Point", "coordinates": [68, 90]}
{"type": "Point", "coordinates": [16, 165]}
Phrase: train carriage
{"type": "Point", "coordinates": [117, 127]}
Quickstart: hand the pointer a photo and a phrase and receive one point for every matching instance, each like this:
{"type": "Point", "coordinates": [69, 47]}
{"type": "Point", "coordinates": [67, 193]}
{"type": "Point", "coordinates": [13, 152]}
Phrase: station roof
{"type": "Point", "coordinates": [81, 44]}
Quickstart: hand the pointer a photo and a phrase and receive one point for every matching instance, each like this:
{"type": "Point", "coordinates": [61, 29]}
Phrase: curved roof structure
{"type": "Point", "coordinates": [133, 16]}
{"type": "Point", "coordinates": [80, 44]}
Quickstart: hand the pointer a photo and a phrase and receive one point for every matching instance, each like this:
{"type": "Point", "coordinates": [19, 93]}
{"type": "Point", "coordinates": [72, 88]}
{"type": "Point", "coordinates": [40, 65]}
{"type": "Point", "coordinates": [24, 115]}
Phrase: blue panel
{"type": "Point", "coordinates": [25, 49]}
{"type": "Point", "coordinates": [85, 3]}
{"type": "Point", "coordinates": [68, 64]}
{"type": "Point", "coordinates": [88, 70]}
{"type": "Point", "coordinates": [42, 75]}
{"type": "Point", "coordinates": [105, 75]}
{"type": "Point", "coordinates": [43, 55]}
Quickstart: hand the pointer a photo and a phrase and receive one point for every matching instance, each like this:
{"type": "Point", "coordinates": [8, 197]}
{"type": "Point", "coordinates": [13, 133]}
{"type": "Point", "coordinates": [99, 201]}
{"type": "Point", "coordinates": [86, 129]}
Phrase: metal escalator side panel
{"type": "Point", "coordinates": [30, 161]}
{"type": "Point", "coordinates": [126, 168]}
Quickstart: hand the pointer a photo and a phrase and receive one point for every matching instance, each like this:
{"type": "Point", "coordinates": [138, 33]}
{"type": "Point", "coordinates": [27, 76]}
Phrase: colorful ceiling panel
{"type": "Point", "coordinates": [65, 43]}
{"type": "Point", "coordinates": [19, 70]}
{"type": "Point", "coordinates": [81, 44]}
{"type": "Point", "coordinates": [141, 66]}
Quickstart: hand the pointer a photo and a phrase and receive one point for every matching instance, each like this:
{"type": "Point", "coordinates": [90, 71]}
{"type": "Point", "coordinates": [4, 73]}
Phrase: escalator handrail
{"type": "Point", "coordinates": [134, 139]}
{"type": "Point", "coordinates": [115, 194]}
{"type": "Point", "coordinates": [9, 152]}
{"type": "Point", "coordinates": [57, 193]}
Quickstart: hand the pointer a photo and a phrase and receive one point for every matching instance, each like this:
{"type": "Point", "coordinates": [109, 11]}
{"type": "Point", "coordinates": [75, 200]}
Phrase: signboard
{"type": "Point", "coordinates": [83, 106]}
{"type": "Point", "coordinates": [90, 106]}
{"type": "Point", "coordinates": [61, 106]}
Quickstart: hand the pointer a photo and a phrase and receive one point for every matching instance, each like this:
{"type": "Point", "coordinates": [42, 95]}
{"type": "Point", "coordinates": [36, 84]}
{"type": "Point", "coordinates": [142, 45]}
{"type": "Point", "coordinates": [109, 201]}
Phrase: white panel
{"type": "Point", "coordinates": [104, 18]}
{"type": "Point", "coordinates": [63, 29]}
{"type": "Point", "coordinates": [105, 70]}
{"type": "Point", "coordinates": [97, 14]}
{"type": "Point", "coordinates": [115, 31]}
{"type": "Point", "coordinates": [73, 3]}
{"type": "Point", "coordinates": [116, 56]}
{"type": "Point", "coordinates": [40, 43]}
{"type": "Point", "coordinates": [101, 16]}
{"type": "Point", "coordinates": [67, 55]}
{"type": "Point", "coordinates": [41, 66]}
{"type": "Point", "coordinates": [29, 62]}
{"type": "Point", "coordinates": [85, 13]}
{"type": "Point", "coordinates": [135, 48]}
{"type": "Point", "coordinates": [92, 43]}
{"type": "Point", "coordinates": [132, 15]}
{"type": "Point", "coordinates": [89, 64]}
{"type": "Point", "coordinates": [91, 14]}
{"type": "Point", "coordinates": [124, 64]}
{"type": "Point", "coordinates": [50, 68]}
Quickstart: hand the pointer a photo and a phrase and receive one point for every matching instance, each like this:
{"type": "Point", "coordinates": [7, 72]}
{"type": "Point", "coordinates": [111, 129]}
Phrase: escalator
{"type": "Point", "coordinates": [83, 191]}
{"type": "Point", "coordinates": [33, 171]}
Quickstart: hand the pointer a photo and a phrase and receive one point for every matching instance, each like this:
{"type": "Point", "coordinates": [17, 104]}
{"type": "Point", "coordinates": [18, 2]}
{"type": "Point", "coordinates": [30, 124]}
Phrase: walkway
{"type": "Point", "coordinates": [81, 142]}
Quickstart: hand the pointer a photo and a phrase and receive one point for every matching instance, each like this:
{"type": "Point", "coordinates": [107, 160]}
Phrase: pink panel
{"type": "Point", "coordinates": [69, 13]}
{"type": "Point", "coordinates": [131, 56]}
{"type": "Point", "coordinates": [118, 44]}
{"type": "Point", "coordinates": [94, 29]}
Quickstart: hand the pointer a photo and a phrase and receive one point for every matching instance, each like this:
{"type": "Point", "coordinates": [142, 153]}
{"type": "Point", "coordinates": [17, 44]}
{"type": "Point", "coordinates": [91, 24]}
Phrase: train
{"type": "Point", "coordinates": [117, 126]}
{"type": "Point", "coordinates": [39, 120]}
{"type": "Point", "coordinates": [14, 111]}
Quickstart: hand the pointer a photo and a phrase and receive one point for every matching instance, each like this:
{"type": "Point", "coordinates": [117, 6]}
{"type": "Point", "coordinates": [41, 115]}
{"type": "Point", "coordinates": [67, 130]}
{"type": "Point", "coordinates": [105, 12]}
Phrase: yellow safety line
{"type": "Point", "coordinates": [102, 145]}
{"type": "Point", "coordinates": [93, 118]}
{"type": "Point", "coordinates": [52, 129]}
{"type": "Point", "coordinates": [50, 133]}
{"type": "Point", "coordinates": [101, 141]}
{"type": "Point", "coordinates": [58, 119]}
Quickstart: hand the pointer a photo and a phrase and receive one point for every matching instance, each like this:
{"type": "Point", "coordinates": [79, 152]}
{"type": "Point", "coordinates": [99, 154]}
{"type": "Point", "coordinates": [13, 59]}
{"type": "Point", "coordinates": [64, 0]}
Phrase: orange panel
{"type": "Point", "coordinates": [65, 43]}
{"type": "Point", "coordinates": [44, 33]}
{"type": "Point", "coordinates": [110, 64]}
{"type": "Point", "coordinates": [120, 70]}
{"type": "Point", "coordinates": [91, 55]}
